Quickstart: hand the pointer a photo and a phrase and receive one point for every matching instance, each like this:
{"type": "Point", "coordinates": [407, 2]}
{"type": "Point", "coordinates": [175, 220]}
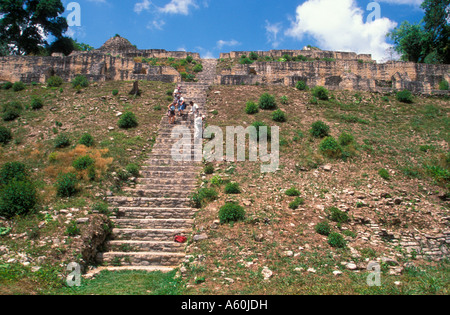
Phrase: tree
{"type": "Point", "coordinates": [410, 41]}
{"type": "Point", "coordinates": [25, 24]}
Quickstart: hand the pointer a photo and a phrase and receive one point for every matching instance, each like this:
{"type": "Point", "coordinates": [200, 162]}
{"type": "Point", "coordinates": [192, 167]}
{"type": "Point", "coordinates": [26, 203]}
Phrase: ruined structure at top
{"type": "Point", "coordinates": [119, 60]}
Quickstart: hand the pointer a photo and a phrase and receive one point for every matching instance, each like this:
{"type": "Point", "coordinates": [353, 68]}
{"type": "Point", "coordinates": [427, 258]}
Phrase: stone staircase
{"type": "Point", "coordinates": [158, 208]}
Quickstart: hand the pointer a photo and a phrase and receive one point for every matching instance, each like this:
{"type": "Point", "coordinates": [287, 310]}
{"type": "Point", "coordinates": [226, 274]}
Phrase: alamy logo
{"type": "Point", "coordinates": [74, 277]}
{"type": "Point", "coordinates": [213, 151]}
{"type": "Point", "coordinates": [376, 12]}
{"type": "Point", "coordinates": [74, 17]}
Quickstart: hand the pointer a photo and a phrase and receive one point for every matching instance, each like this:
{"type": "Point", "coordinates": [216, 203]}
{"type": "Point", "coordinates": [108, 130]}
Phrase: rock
{"type": "Point", "coordinates": [327, 168]}
{"type": "Point", "coordinates": [311, 270]}
{"type": "Point", "coordinates": [119, 114]}
{"type": "Point", "coordinates": [337, 273]}
{"type": "Point", "coordinates": [300, 269]}
{"type": "Point", "coordinates": [259, 238]}
{"type": "Point", "coordinates": [288, 253]}
{"type": "Point", "coordinates": [35, 269]}
{"type": "Point", "coordinates": [351, 266]}
{"type": "Point", "coordinates": [389, 261]}
{"type": "Point", "coordinates": [82, 220]}
{"type": "Point", "coordinates": [229, 280]}
{"type": "Point", "coordinates": [267, 273]}
{"type": "Point", "coordinates": [200, 237]}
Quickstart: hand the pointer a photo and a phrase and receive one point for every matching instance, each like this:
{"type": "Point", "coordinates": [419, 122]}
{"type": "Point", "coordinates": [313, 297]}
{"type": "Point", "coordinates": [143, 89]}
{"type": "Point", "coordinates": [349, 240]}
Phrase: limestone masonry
{"type": "Point", "coordinates": [115, 61]}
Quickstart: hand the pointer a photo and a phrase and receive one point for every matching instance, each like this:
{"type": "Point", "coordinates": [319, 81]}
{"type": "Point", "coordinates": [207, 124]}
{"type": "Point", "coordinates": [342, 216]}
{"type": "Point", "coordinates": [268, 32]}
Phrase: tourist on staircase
{"type": "Point", "coordinates": [171, 112]}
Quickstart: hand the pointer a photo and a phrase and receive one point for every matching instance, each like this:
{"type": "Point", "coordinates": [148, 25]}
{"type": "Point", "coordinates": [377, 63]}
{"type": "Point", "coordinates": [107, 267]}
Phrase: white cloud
{"type": "Point", "coordinates": [178, 7]}
{"type": "Point", "coordinates": [222, 43]}
{"type": "Point", "coordinates": [156, 25]}
{"type": "Point", "coordinates": [272, 31]}
{"type": "Point", "coordinates": [141, 6]}
{"type": "Point", "coordinates": [339, 25]}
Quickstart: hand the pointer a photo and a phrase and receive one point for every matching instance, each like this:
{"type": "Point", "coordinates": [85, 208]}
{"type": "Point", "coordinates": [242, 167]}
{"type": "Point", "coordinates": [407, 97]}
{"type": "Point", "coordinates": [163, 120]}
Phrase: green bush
{"type": "Point", "coordinates": [231, 212]}
{"type": "Point", "coordinates": [13, 171]}
{"type": "Point", "coordinates": [405, 96]}
{"type": "Point", "coordinates": [337, 215]}
{"type": "Point", "coordinates": [5, 135]}
{"type": "Point", "coordinates": [17, 198]}
{"type": "Point", "coordinates": [133, 169]}
{"type": "Point", "coordinates": [253, 56]}
{"type": "Point", "coordinates": [87, 140]}
{"type": "Point", "coordinates": [232, 189]}
{"type": "Point", "coordinates": [443, 85]}
{"type": "Point", "coordinates": [320, 129]}
{"type": "Point", "coordinates": [321, 93]}
{"type": "Point", "coordinates": [115, 92]}
{"type": "Point", "coordinates": [267, 102]}
{"type": "Point", "coordinates": [7, 85]}
{"type": "Point", "coordinates": [37, 103]}
{"type": "Point", "coordinates": [54, 81]}
{"type": "Point", "coordinates": [301, 86]}
{"type": "Point", "coordinates": [314, 101]}
{"type": "Point", "coordinates": [245, 61]}
{"type": "Point", "coordinates": [330, 148]}
{"type": "Point", "coordinates": [62, 141]}
{"type": "Point", "coordinates": [66, 185]}
{"type": "Point", "coordinates": [292, 192]}
{"type": "Point", "coordinates": [18, 86]}
{"type": "Point", "coordinates": [209, 169]}
{"type": "Point", "coordinates": [258, 125]}
{"type": "Point", "coordinates": [101, 207]}
{"type": "Point", "coordinates": [251, 108]}
{"type": "Point", "coordinates": [189, 59]}
{"type": "Point", "coordinates": [323, 228]}
{"type": "Point", "coordinates": [198, 68]}
{"type": "Point", "coordinates": [296, 203]}
{"type": "Point", "coordinates": [346, 139]}
{"type": "Point", "coordinates": [284, 100]}
{"type": "Point", "coordinates": [80, 81]}
{"type": "Point", "coordinates": [384, 174]}
{"type": "Point", "coordinates": [203, 196]}
{"type": "Point", "coordinates": [279, 116]}
{"type": "Point", "coordinates": [72, 229]}
{"type": "Point", "coordinates": [11, 111]}
{"type": "Point", "coordinates": [336, 240]}
{"type": "Point", "coordinates": [128, 120]}
{"type": "Point", "coordinates": [216, 181]}
{"type": "Point", "coordinates": [83, 163]}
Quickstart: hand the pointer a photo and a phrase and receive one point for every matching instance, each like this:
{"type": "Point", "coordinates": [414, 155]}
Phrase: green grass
{"type": "Point", "coordinates": [128, 283]}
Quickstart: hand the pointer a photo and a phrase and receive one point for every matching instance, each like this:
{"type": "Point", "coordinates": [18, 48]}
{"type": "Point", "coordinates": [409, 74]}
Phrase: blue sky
{"type": "Point", "coordinates": [211, 26]}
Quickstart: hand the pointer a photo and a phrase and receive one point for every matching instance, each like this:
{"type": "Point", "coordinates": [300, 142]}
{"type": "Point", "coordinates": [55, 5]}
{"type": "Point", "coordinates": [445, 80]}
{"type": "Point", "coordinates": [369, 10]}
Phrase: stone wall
{"type": "Point", "coordinates": [95, 66]}
{"type": "Point", "coordinates": [341, 75]}
{"type": "Point", "coordinates": [320, 54]}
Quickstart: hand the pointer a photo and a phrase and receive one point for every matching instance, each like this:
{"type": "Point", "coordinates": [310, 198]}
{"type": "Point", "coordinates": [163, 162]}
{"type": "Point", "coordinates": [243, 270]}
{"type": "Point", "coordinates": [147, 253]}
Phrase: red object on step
{"type": "Point", "coordinates": [180, 239]}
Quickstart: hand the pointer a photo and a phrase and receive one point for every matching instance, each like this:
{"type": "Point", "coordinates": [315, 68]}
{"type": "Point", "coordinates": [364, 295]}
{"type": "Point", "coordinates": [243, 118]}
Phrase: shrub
{"type": "Point", "coordinates": [209, 169]}
{"type": "Point", "coordinates": [253, 56]}
{"type": "Point", "coordinates": [133, 169]}
{"type": "Point", "coordinates": [258, 125]}
{"type": "Point", "coordinates": [13, 171]}
{"type": "Point", "coordinates": [66, 185]}
{"type": "Point", "coordinates": [301, 86]}
{"type": "Point", "coordinates": [18, 86]}
{"type": "Point", "coordinates": [80, 81]}
{"type": "Point", "coordinates": [346, 139]}
{"type": "Point", "coordinates": [37, 103]}
{"type": "Point", "coordinates": [384, 174]}
{"type": "Point", "coordinates": [267, 101]}
{"type": "Point", "coordinates": [11, 111]}
{"type": "Point", "coordinates": [62, 141]}
{"type": "Point", "coordinates": [101, 207]}
{"type": "Point", "coordinates": [115, 92]}
{"type": "Point", "coordinates": [17, 198]}
{"type": "Point", "coordinates": [330, 148]}
{"type": "Point", "coordinates": [443, 85]}
{"type": "Point", "coordinates": [198, 68]}
{"type": "Point", "coordinates": [251, 108]}
{"type": "Point", "coordinates": [279, 116]}
{"type": "Point", "coordinates": [245, 61]}
{"type": "Point", "coordinates": [336, 240]}
{"type": "Point", "coordinates": [296, 203]}
{"type": "Point", "coordinates": [321, 93]}
{"type": "Point", "coordinates": [320, 129]}
{"type": "Point", "coordinates": [87, 140]}
{"type": "Point", "coordinates": [314, 101]}
{"type": "Point", "coordinates": [5, 135]}
{"type": "Point", "coordinates": [216, 181]}
{"type": "Point", "coordinates": [405, 96]}
{"type": "Point", "coordinates": [337, 215]}
{"type": "Point", "coordinates": [323, 228]}
{"type": "Point", "coordinates": [292, 192]}
{"type": "Point", "coordinates": [284, 100]}
{"type": "Point", "coordinates": [189, 59]}
{"type": "Point", "coordinates": [232, 189]}
{"type": "Point", "coordinates": [128, 120]}
{"type": "Point", "coordinates": [7, 85]}
{"type": "Point", "coordinates": [231, 212]}
{"type": "Point", "coordinates": [72, 229]}
{"type": "Point", "coordinates": [203, 196]}
{"type": "Point", "coordinates": [54, 81]}
{"type": "Point", "coordinates": [83, 163]}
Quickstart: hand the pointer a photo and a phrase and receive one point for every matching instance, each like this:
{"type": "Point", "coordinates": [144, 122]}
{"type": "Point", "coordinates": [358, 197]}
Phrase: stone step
{"type": "Point", "coordinates": [154, 213]}
{"type": "Point", "coordinates": [144, 246]}
{"type": "Point", "coordinates": [172, 168]}
{"type": "Point", "coordinates": [147, 234]}
{"type": "Point", "coordinates": [146, 202]}
{"type": "Point", "coordinates": [169, 162]}
{"type": "Point", "coordinates": [145, 191]}
{"type": "Point", "coordinates": [163, 269]}
{"type": "Point", "coordinates": [189, 181]}
{"type": "Point", "coordinates": [153, 223]}
{"type": "Point", "coordinates": [147, 174]}
{"type": "Point", "coordinates": [140, 259]}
